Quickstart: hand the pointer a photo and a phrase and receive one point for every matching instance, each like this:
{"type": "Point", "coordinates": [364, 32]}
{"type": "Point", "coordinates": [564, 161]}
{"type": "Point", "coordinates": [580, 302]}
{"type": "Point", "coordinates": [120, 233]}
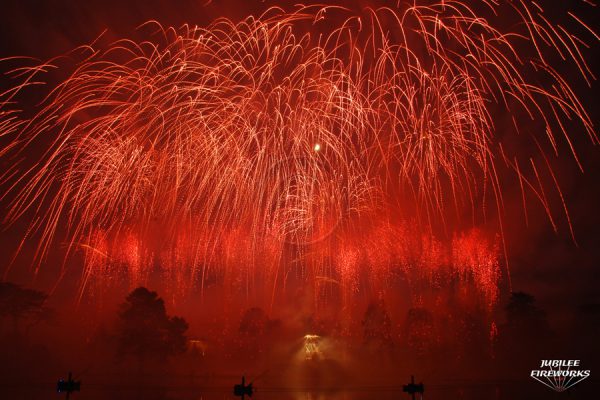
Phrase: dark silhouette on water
{"type": "Point", "coordinates": [412, 388]}
{"type": "Point", "coordinates": [243, 389]}
{"type": "Point", "coordinates": [68, 386]}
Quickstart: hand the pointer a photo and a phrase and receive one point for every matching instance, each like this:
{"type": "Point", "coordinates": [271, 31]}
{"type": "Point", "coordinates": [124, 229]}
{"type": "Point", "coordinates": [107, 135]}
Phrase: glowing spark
{"type": "Point", "coordinates": [193, 149]}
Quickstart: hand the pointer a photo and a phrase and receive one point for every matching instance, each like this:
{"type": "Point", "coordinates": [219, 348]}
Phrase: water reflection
{"type": "Point", "coordinates": [513, 391]}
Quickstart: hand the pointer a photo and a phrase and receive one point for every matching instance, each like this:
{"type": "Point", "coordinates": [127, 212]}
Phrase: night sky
{"type": "Point", "coordinates": [545, 263]}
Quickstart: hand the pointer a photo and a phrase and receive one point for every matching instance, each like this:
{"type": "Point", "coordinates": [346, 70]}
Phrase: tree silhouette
{"type": "Point", "coordinates": [377, 326]}
{"type": "Point", "coordinates": [253, 331]}
{"type": "Point", "coordinates": [420, 335]}
{"type": "Point", "coordinates": [526, 333]}
{"type": "Point", "coordinates": [146, 332]}
{"type": "Point", "coordinates": [254, 322]}
{"type": "Point", "coordinates": [20, 304]}
{"type": "Point", "coordinates": [523, 315]}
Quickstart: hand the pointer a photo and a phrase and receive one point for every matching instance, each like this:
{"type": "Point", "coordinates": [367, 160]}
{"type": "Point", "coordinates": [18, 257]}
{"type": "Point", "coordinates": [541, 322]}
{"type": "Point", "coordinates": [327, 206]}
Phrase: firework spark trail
{"type": "Point", "coordinates": [234, 140]}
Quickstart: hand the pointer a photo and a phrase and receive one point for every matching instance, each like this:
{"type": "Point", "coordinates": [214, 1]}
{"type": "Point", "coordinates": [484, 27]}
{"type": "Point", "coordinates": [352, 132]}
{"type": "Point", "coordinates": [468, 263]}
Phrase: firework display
{"type": "Point", "coordinates": [342, 148]}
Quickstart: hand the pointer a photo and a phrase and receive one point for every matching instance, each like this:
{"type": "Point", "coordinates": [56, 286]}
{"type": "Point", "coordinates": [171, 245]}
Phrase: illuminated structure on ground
{"type": "Point", "coordinates": [311, 347]}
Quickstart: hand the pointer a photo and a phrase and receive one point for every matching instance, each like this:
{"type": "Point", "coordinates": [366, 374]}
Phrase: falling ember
{"type": "Point", "coordinates": [194, 150]}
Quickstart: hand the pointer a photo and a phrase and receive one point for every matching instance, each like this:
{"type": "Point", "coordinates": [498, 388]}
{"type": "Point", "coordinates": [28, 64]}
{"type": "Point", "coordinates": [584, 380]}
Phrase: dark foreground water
{"type": "Point", "coordinates": [506, 391]}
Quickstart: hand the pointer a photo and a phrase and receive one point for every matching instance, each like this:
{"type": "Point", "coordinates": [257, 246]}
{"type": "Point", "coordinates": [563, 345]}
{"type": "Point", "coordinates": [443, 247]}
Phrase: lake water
{"type": "Point", "coordinates": [506, 391]}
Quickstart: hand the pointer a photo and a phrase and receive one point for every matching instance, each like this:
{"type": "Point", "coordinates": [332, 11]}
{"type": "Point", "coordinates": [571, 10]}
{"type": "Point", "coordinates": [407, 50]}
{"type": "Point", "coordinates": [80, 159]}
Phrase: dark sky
{"type": "Point", "coordinates": [549, 265]}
